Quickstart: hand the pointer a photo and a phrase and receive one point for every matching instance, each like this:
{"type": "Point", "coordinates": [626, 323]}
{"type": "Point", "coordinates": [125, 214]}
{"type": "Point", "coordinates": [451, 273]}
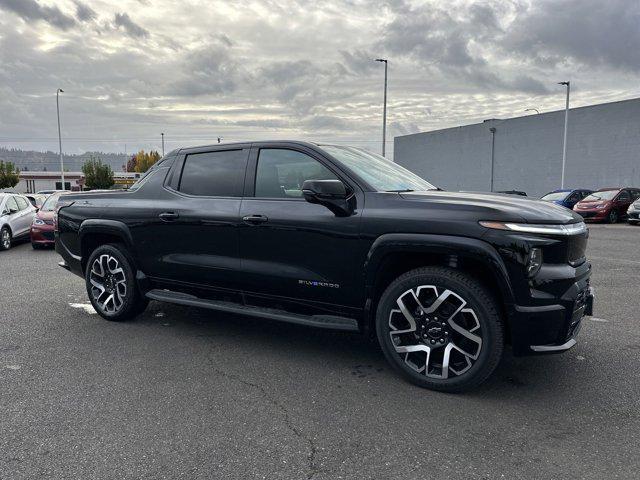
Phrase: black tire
{"type": "Point", "coordinates": [469, 294]}
{"type": "Point", "coordinates": [35, 246]}
{"type": "Point", "coordinates": [613, 216]}
{"type": "Point", "coordinates": [127, 302]}
{"type": "Point", "coordinates": [5, 238]}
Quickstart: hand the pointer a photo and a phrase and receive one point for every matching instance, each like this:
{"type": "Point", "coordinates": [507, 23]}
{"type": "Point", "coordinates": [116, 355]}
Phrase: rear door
{"type": "Point", "coordinates": [194, 239]}
{"type": "Point", "coordinates": [24, 217]}
{"type": "Point", "coordinates": [292, 249]}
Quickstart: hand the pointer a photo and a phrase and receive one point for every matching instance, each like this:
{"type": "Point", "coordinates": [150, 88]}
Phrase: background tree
{"type": "Point", "coordinates": [144, 161]}
{"type": "Point", "coordinates": [97, 175]}
{"type": "Point", "coordinates": [131, 164]}
{"type": "Point", "coordinates": [9, 175]}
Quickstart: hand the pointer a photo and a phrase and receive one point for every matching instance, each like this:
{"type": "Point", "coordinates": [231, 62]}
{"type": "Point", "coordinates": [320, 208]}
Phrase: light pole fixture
{"type": "Point", "coordinates": [532, 110]}
{"type": "Point", "coordinates": [162, 135]}
{"type": "Point", "coordinates": [384, 111]}
{"type": "Point", "coordinates": [493, 156]}
{"type": "Point", "coordinates": [566, 123]}
{"type": "Point", "coordinates": [58, 92]}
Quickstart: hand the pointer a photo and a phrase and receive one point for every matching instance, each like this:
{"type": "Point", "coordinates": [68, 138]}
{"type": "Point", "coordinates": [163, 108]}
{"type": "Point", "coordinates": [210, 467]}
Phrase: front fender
{"type": "Point", "coordinates": [473, 248]}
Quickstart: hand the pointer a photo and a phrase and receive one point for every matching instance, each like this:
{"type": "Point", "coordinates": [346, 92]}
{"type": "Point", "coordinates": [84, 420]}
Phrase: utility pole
{"type": "Point", "coordinates": [162, 134]}
{"type": "Point", "coordinates": [58, 92]}
{"type": "Point", "coordinates": [384, 111]}
{"type": "Point", "coordinates": [566, 123]}
{"type": "Point", "coordinates": [493, 150]}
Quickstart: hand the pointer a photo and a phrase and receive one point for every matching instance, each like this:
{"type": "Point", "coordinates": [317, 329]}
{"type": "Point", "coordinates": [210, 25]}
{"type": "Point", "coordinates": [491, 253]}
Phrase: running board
{"type": "Point", "coordinates": [331, 322]}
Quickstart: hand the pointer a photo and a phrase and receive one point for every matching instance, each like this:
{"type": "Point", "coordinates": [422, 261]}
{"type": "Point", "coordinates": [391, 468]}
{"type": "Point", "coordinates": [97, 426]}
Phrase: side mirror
{"type": "Point", "coordinates": [332, 194]}
{"type": "Point", "coordinates": [12, 211]}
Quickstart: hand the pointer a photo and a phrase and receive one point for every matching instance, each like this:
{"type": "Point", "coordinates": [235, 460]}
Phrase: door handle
{"type": "Point", "coordinates": [168, 216]}
{"type": "Point", "coordinates": [255, 219]}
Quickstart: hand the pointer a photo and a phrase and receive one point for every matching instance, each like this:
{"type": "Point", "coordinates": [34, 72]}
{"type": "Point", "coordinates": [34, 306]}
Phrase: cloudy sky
{"type": "Point", "coordinates": [243, 69]}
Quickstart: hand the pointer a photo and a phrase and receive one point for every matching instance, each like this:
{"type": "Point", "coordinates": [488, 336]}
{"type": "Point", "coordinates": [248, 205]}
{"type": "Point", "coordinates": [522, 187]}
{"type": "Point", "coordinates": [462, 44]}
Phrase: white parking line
{"type": "Point", "coordinates": [596, 319]}
{"type": "Point", "coordinates": [87, 307]}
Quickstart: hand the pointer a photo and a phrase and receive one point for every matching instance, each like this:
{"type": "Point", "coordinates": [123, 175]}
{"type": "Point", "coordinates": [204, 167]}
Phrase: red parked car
{"type": "Point", "coordinates": [42, 226]}
{"type": "Point", "coordinates": [607, 204]}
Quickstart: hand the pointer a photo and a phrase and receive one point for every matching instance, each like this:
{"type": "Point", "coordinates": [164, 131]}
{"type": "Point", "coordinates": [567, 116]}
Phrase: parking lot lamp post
{"type": "Point", "coordinates": [384, 108]}
{"type": "Point", "coordinates": [493, 149]}
{"type": "Point", "coordinates": [566, 123]}
{"type": "Point", "coordinates": [532, 110]}
{"type": "Point", "coordinates": [58, 92]}
{"type": "Point", "coordinates": [162, 135]}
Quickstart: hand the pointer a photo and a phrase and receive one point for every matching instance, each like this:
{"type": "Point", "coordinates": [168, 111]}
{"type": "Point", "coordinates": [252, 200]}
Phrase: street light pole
{"type": "Point", "coordinates": [58, 92]}
{"type": "Point", "coordinates": [493, 150]}
{"type": "Point", "coordinates": [384, 111]}
{"type": "Point", "coordinates": [162, 134]}
{"type": "Point", "coordinates": [566, 123]}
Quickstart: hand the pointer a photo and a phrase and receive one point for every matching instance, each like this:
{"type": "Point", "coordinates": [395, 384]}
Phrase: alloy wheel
{"type": "Point", "coordinates": [6, 239]}
{"type": "Point", "coordinates": [108, 284]}
{"type": "Point", "coordinates": [435, 332]}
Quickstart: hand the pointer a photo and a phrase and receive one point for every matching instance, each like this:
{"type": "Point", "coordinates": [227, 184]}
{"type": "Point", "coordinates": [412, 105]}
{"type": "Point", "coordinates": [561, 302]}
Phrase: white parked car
{"type": "Point", "coordinates": [16, 216]}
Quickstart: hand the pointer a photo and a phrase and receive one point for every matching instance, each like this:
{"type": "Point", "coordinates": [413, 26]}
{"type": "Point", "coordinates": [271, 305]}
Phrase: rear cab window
{"type": "Point", "coordinates": [218, 173]}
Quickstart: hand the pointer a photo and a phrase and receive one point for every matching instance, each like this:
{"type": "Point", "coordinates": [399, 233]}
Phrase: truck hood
{"type": "Point", "coordinates": [497, 207]}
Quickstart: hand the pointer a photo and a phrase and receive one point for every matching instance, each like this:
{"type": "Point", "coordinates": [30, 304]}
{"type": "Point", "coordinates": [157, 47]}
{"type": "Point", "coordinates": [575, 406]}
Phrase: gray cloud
{"type": "Point", "coordinates": [84, 12]}
{"type": "Point", "coordinates": [590, 32]}
{"type": "Point", "coordinates": [130, 27]}
{"type": "Point", "coordinates": [32, 10]}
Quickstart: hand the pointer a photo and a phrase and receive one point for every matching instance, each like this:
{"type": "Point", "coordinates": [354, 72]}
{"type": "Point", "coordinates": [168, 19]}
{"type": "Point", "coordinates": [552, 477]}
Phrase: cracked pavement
{"type": "Point", "coordinates": [189, 393]}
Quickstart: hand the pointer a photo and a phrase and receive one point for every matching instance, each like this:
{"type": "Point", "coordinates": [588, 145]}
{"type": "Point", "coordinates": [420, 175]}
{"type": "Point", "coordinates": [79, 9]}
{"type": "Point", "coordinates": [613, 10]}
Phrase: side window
{"type": "Point", "coordinates": [635, 194]}
{"type": "Point", "coordinates": [214, 174]}
{"type": "Point", "coordinates": [11, 204]}
{"type": "Point", "coordinates": [574, 197]}
{"type": "Point", "coordinates": [281, 173]}
{"type": "Point", "coordinates": [22, 203]}
{"type": "Point", "coordinates": [624, 196]}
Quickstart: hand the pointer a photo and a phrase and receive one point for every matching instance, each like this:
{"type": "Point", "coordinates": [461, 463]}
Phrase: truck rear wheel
{"type": "Point", "coordinates": [111, 286]}
{"type": "Point", "coordinates": [440, 329]}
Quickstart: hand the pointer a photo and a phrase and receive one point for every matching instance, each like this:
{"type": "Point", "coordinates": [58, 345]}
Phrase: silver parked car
{"type": "Point", "coordinates": [16, 216]}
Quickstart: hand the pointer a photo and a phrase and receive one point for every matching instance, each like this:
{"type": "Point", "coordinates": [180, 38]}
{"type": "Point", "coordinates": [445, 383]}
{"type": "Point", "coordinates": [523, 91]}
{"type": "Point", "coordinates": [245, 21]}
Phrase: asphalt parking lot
{"type": "Point", "coordinates": [189, 393]}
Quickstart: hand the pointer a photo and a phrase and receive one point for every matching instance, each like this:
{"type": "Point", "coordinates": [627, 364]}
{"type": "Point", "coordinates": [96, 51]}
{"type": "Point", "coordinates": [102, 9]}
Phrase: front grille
{"type": "Point", "coordinates": [48, 236]}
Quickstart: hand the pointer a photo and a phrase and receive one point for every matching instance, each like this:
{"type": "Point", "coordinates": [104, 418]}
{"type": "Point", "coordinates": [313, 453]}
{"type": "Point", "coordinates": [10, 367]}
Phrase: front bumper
{"type": "Point", "coordinates": [553, 328]}
{"type": "Point", "coordinates": [42, 234]}
{"type": "Point", "coordinates": [593, 215]}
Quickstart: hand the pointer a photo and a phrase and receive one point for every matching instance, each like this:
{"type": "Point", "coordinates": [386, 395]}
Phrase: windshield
{"type": "Point", "coordinates": [382, 174]}
{"type": "Point", "coordinates": [555, 196]}
{"type": "Point", "coordinates": [49, 204]}
{"type": "Point", "coordinates": [604, 195]}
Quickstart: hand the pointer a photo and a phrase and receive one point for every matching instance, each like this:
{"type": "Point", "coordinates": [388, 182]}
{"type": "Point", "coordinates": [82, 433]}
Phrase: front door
{"type": "Point", "coordinates": [290, 248]}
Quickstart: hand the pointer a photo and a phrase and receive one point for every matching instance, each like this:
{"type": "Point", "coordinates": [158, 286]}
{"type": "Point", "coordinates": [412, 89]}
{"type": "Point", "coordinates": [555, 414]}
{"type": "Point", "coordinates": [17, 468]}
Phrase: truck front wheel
{"type": "Point", "coordinates": [440, 329]}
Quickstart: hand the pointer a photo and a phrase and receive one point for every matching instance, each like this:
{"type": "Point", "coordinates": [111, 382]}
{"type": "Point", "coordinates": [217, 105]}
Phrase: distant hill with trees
{"type": "Point", "coordinates": [30, 160]}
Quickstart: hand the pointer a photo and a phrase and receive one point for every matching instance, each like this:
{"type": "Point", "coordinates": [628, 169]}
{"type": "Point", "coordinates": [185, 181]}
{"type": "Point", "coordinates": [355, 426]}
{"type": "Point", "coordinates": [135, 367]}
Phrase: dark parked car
{"type": "Point", "coordinates": [567, 198]}
{"type": "Point", "coordinates": [633, 213]}
{"type": "Point", "coordinates": [607, 204]}
{"type": "Point", "coordinates": [336, 237]}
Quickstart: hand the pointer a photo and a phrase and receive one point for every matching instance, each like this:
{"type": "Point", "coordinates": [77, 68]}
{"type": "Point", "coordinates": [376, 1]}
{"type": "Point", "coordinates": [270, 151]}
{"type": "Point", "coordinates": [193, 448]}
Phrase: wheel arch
{"type": "Point", "coordinates": [391, 255]}
{"type": "Point", "coordinates": [96, 232]}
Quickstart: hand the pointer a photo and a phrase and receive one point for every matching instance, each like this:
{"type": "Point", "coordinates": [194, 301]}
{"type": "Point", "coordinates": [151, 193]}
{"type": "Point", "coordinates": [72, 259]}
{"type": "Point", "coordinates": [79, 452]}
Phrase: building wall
{"type": "Point", "coordinates": [603, 149]}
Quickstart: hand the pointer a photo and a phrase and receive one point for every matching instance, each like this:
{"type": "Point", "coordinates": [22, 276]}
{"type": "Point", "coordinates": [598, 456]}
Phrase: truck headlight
{"type": "Point", "coordinates": [549, 229]}
{"type": "Point", "coordinates": [534, 262]}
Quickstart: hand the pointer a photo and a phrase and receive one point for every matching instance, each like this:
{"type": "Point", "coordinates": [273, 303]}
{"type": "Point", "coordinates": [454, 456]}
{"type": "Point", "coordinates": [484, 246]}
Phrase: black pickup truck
{"type": "Point", "coordinates": [336, 237]}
